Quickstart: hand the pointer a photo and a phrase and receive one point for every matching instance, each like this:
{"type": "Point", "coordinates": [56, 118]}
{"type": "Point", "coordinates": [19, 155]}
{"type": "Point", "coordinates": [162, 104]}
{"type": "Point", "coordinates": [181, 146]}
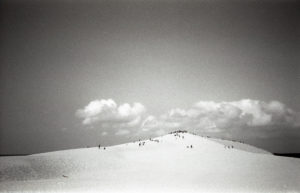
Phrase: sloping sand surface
{"type": "Point", "coordinates": [163, 164]}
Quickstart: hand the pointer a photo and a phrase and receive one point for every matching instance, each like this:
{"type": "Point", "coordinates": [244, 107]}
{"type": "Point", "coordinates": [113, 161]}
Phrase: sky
{"type": "Point", "coordinates": [82, 73]}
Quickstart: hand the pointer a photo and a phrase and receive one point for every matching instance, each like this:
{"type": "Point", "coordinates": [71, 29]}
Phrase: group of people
{"type": "Point", "coordinates": [179, 136]}
{"type": "Point", "coordinates": [99, 146]}
{"type": "Point", "coordinates": [189, 146]}
{"type": "Point", "coordinates": [155, 140]}
{"type": "Point", "coordinates": [142, 143]}
{"type": "Point", "coordinates": [228, 146]}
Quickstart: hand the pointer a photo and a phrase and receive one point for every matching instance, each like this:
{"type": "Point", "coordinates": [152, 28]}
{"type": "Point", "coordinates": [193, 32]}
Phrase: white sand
{"type": "Point", "coordinates": [167, 166]}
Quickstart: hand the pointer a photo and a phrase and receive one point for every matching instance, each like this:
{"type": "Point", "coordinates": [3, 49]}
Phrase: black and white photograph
{"type": "Point", "coordinates": [149, 96]}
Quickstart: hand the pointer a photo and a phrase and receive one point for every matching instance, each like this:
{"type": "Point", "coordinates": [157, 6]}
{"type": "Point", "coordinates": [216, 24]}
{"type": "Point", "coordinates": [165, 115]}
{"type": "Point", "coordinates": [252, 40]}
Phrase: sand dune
{"type": "Point", "coordinates": [165, 164]}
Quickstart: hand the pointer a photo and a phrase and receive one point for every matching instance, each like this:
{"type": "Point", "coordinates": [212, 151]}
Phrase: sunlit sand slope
{"type": "Point", "coordinates": [179, 162]}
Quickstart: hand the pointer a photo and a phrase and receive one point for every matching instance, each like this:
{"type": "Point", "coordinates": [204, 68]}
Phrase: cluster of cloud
{"type": "Point", "coordinates": [204, 116]}
{"type": "Point", "coordinates": [109, 115]}
{"type": "Point", "coordinates": [209, 116]}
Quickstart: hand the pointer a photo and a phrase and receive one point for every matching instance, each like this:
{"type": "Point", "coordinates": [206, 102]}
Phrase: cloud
{"type": "Point", "coordinates": [216, 117]}
{"type": "Point", "coordinates": [109, 115]}
{"type": "Point", "coordinates": [104, 133]}
{"type": "Point", "coordinates": [223, 118]}
{"type": "Point", "coordinates": [122, 132]}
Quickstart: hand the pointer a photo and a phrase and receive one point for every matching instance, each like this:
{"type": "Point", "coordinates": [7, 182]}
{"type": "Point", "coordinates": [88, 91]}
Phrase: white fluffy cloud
{"type": "Point", "coordinates": [109, 115]}
{"type": "Point", "coordinates": [203, 116]}
{"type": "Point", "coordinates": [209, 116]}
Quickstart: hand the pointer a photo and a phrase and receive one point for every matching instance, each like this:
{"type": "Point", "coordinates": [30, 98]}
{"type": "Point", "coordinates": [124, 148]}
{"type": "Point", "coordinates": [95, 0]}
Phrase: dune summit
{"type": "Point", "coordinates": [177, 162]}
